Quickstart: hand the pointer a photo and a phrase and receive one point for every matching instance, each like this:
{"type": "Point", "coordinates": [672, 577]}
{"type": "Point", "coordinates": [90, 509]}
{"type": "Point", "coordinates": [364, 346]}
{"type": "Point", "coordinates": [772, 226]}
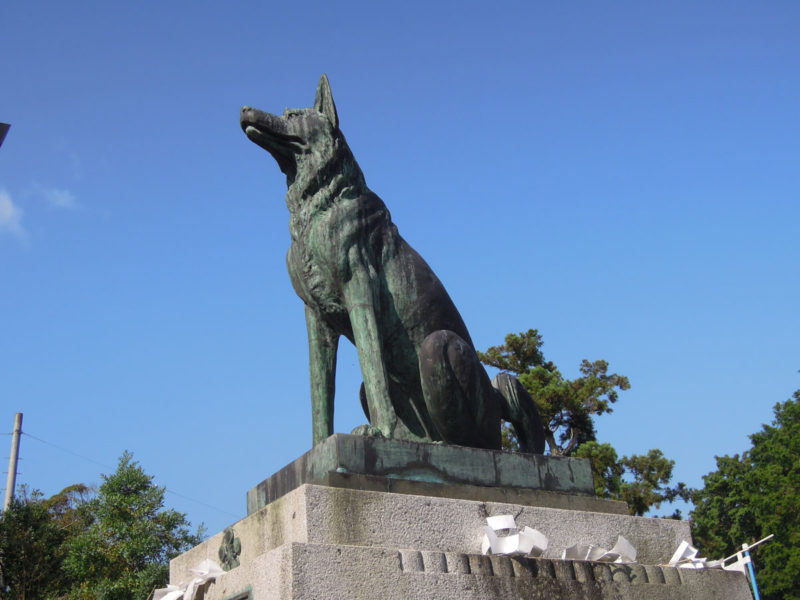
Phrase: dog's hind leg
{"type": "Point", "coordinates": [520, 410]}
{"type": "Point", "coordinates": [462, 404]}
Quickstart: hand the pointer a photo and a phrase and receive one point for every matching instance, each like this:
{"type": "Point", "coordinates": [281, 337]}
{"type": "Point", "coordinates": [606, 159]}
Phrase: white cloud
{"type": "Point", "coordinates": [57, 198]}
{"type": "Point", "coordinates": [10, 217]}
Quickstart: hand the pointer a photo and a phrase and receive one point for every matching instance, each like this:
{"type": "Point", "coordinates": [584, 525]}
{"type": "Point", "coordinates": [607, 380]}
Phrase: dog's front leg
{"type": "Point", "coordinates": [361, 297]}
{"type": "Point", "coordinates": [323, 343]}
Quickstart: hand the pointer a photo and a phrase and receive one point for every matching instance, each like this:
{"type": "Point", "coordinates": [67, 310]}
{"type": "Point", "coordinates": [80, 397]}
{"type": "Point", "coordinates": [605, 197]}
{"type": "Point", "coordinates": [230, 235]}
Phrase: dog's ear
{"type": "Point", "coordinates": [324, 101]}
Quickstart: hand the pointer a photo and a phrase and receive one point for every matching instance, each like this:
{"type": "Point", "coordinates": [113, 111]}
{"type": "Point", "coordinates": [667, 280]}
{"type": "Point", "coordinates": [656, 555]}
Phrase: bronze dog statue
{"type": "Point", "coordinates": [359, 278]}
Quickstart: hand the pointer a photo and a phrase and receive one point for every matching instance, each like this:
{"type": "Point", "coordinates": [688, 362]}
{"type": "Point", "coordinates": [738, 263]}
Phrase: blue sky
{"type": "Point", "coordinates": [622, 176]}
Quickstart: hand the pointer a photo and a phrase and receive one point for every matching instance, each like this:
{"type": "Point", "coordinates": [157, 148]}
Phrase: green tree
{"type": "Point", "coordinates": [566, 406]}
{"type": "Point", "coordinates": [69, 508]}
{"type": "Point", "coordinates": [607, 470]}
{"type": "Point", "coordinates": [33, 532]}
{"type": "Point", "coordinates": [124, 552]}
{"type": "Point", "coordinates": [30, 542]}
{"type": "Point", "coordinates": [648, 482]}
{"type": "Point", "coordinates": [756, 494]}
{"type": "Point", "coordinates": [640, 480]}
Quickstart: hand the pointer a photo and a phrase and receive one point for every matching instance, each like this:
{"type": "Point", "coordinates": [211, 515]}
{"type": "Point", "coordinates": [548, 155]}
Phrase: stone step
{"type": "Point", "coordinates": [362, 518]}
{"type": "Point", "coordinates": [332, 572]}
{"type": "Point", "coordinates": [328, 515]}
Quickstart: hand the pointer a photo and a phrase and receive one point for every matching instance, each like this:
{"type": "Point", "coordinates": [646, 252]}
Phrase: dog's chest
{"type": "Point", "coordinates": [317, 275]}
{"type": "Point", "coordinates": [328, 245]}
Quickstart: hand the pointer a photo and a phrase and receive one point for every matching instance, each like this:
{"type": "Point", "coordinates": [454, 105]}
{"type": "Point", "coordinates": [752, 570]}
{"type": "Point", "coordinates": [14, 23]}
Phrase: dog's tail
{"type": "Point", "coordinates": [520, 410]}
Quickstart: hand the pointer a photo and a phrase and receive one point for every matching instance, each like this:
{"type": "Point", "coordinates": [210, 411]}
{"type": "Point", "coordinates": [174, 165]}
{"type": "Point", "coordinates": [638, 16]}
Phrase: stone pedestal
{"type": "Point", "coordinates": [363, 518]}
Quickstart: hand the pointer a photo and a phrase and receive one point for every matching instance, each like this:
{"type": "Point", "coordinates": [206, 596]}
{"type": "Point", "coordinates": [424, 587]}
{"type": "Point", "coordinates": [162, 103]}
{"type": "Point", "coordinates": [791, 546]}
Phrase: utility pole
{"type": "Point", "coordinates": [12, 462]}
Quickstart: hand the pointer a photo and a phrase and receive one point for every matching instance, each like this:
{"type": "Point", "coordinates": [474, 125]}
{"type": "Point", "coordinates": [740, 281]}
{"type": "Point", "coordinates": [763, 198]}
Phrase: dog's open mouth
{"type": "Point", "coordinates": [257, 136]}
{"type": "Point", "coordinates": [266, 130]}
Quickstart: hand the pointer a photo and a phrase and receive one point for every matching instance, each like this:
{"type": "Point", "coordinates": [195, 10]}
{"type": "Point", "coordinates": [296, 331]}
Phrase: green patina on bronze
{"type": "Point", "coordinates": [355, 461]}
{"type": "Point", "coordinates": [245, 594]}
{"type": "Point", "coordinates": [360, 279]}
{"type": "Point", "coordinates": [229, 550]}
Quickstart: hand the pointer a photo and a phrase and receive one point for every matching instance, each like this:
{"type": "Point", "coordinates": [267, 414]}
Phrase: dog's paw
{"type": "Point", "coordinates": [367, 430]}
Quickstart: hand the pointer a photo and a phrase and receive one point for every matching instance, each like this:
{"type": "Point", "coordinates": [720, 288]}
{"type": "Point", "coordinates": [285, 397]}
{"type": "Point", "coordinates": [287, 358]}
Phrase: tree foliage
{"type": "Point", "coordinates": [650, 475]}
{"type": "Point", "coordinates": [607, 470]}
{"type": "Point", "coordinates": [112, 545]}
{"type": "Point", "coordinates": [566, 406]}
{"type": "Point", "coordinates": [124, 553]}
{"type": "Point", "coordinates": [30, 549]}
{"type": "Point", "coordinates": [69, 508]}
{"type": "Point", "coordinates": [640, 480]}
{"type": "Point", "coordinates": [756, 494]}
{"type": "Point", "coordinates": [33, 533]}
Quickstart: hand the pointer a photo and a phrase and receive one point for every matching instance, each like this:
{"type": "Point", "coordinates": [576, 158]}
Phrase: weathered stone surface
{"type": "Point", "coordinates": [428, 463]}
{"type": "Point", "coordinates": [319, 541]}
{"type": "Point", "coordinates": [505, 495]}
{"type": "Point", "coordinates": [332, 572]}
{"type": "Point", "coordinates": [324, 515]}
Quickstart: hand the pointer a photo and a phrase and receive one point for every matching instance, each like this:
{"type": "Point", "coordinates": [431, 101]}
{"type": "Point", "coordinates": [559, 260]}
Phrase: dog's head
{"type": "Point", "coordinates": [299, 136]}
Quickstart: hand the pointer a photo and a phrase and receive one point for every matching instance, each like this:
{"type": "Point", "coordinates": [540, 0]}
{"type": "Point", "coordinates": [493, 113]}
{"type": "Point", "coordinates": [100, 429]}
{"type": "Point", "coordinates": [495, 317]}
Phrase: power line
{"type": "Point", "coordinates": [105, 466]}
{"type": "Point", "coordinates": [222, 510]}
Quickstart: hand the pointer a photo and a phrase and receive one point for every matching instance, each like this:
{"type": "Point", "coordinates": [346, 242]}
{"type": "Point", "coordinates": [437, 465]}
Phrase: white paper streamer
{"type": "Point", "coordinates": [171, 592]}
{"type": "Point", "coordinates": [739, 565]}
{"type": "Point", "coordinates": [685, 552]}
{"type": "Point", "coordinates": [514, 541]}
{"type": "Point", "coordinates": [622, 552]}
{"type": "Point", "coordinates": [685, 557]}
{"type": "Point", "coordinates": [208, 570]}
